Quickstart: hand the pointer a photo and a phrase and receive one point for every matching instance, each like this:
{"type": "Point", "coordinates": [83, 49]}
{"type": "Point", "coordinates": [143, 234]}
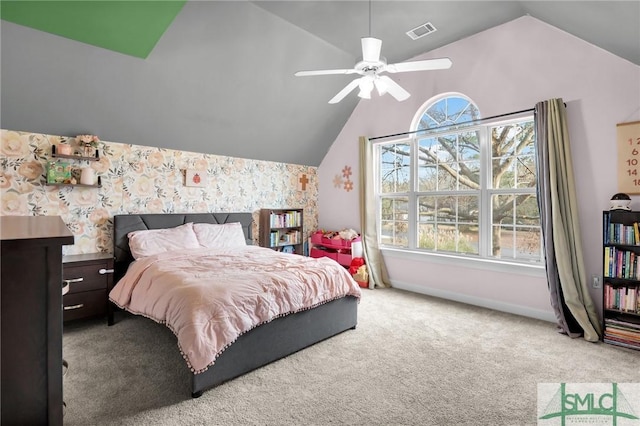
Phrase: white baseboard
{"type": "Point", "coordinates": [477, 301]}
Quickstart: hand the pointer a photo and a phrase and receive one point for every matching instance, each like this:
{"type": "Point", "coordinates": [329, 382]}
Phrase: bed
{"type": "Point", "coordinates": [261, 344]}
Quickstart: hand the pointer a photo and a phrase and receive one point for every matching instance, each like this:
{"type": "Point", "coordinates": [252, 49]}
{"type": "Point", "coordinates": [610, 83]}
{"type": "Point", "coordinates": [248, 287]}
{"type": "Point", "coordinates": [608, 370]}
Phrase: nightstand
{"type": "Point", "coordinates": [90, 278]}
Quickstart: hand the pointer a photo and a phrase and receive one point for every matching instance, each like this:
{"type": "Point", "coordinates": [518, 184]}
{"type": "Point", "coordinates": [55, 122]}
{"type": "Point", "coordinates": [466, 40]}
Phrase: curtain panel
{"type": "Point", "coordinates": [372, 256]}
{"type": "Point", "coordinates": [566, 277]}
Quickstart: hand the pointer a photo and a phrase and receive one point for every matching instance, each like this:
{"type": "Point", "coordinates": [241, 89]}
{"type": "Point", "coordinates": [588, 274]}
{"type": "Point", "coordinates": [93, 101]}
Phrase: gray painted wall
{"type": "Point", "coordinates": [209, 86]}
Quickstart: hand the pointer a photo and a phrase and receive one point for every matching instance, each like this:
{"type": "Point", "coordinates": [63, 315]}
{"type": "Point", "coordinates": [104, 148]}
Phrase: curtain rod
{"type": "Point", "coordinates": [457, 124]}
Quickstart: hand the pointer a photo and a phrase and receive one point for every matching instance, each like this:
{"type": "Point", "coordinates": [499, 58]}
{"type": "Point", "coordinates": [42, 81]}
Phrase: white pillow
{"type": "Point", "coordinates": [154, 241]}
{"type": "Point", "coordinates": [215, 235]}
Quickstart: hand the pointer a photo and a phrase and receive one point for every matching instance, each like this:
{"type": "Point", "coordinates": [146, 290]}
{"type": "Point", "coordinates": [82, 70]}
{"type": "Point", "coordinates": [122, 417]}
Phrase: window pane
{"type": "Point", "coordinates": [450, 110]}
{"type": "Point", "coordinates": [447, 177]}
{"type": "Point", "coordinates": [527, 212]}
{"type": "Point", "coordinates": [513, 155]}
{"type": "Point", "coordinates": [516, 227]}
{"type": "Point", "coordinates": [502, 208]}
{"type": "Point", "coordinates": [517, 243]}
{"type": "Point", "coordinates": [469, 177]}
{"type": "Point", "coordinates": [448, 223]}
{"type": "Point", "coordinates": [526, 168]}
{"type": "Point", "coordinates": [468, 146]}
{"type": "Point", "coordinates": [395, 167]}
{"type": "Point", "coordinates": [427, 178]}
{"type": "Point", "coordinates": [449, 157]}
{"type": "Point", "coordinates": [394, 222]}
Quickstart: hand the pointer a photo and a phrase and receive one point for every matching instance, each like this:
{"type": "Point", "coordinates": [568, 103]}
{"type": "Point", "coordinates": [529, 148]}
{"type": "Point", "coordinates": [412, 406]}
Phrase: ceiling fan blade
{"type": "Point", "coordinates": [325, 72]}
{"type": "Point", "coordinates": [344, 92]}
{"type": "Point", "coordinates": [393, 88]}
{"type": "Point", "coordinates": [371, 49]}
{"type": "Point", "coordinates": [426, 65]}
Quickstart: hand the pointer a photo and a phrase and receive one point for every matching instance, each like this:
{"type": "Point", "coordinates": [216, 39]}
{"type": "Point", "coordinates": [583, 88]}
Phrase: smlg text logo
{"type": "Point", "coordinates": [601, 404]}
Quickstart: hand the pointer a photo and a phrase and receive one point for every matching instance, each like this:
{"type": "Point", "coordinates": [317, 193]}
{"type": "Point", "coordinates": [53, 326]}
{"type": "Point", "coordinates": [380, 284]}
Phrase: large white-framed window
{"type": "Point", "coordinates": [459, 188]}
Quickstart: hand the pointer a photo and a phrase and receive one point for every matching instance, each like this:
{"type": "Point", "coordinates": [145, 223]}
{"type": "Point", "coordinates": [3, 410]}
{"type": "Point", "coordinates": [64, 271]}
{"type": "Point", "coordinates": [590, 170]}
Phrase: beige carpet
{"type": "Point", "coordinates": [413, 360]}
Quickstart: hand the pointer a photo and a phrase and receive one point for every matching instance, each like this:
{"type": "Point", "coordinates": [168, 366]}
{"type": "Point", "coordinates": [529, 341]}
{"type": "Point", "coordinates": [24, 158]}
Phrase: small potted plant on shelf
{"type": "Point", "coordinates": [88, 143]}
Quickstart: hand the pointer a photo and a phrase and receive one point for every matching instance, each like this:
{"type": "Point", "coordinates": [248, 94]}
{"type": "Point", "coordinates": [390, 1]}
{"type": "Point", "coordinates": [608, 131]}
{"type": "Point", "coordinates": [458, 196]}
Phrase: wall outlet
{"type": "Point", "coordinates": [595, 280]}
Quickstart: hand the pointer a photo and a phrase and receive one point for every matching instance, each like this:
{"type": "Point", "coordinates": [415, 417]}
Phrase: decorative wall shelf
{"type": "Point", "coordinates": [98, 185]}
{"type": "Point", "coordinates": [74, 157]}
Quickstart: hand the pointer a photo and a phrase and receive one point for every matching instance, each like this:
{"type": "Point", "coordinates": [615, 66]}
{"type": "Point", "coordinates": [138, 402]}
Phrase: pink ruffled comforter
{"type": "Point", "coordinates": [210, 297]}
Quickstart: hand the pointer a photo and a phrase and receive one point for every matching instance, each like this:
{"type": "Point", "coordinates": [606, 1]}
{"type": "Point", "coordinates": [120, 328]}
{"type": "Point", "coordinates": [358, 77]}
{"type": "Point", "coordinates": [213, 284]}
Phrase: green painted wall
{"type": "Point", "coordinates": [129, 27]}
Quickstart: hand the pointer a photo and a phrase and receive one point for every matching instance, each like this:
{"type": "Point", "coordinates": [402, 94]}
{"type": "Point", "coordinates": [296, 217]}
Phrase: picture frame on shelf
{"type": "Point", "coordinates": [58, 172]}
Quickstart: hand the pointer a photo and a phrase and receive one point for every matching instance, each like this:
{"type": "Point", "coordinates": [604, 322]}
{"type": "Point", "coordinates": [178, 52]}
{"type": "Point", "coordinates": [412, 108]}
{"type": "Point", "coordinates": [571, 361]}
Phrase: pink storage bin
{"type": "Point", "coordinates": [323, 253]}
{"type": "Point", "coordinates": [316, 252]}
{"type": "Point", "coordinates": [316, 238]}
{"type": "Point", "coordinates": [344, 259]}
{"type": "Point", "coordinates": [330, 242]}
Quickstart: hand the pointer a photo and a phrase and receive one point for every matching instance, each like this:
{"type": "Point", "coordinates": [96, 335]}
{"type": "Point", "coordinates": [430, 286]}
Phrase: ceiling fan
{"type": "Point", "coordinates": [370, 68]}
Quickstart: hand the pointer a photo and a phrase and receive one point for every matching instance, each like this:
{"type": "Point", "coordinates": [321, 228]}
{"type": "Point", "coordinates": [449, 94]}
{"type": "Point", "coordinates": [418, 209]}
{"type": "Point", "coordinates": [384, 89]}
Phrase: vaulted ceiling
{"type": "Point", "coordinates": [217, 77]}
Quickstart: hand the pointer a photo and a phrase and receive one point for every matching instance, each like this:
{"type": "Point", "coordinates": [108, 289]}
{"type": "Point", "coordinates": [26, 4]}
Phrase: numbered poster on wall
{"type": "Point", "coordinates": [629, 157]}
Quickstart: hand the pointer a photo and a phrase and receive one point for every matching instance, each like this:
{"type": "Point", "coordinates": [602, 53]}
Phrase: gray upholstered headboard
{"type": "Point", "coordinates": [125, 223]}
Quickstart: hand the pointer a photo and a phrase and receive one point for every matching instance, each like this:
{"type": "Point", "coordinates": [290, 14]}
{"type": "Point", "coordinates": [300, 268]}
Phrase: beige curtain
{"type": "Point", "coordinates": [566, 277]}
{"type": "Point", "coordinates": [375, 263]}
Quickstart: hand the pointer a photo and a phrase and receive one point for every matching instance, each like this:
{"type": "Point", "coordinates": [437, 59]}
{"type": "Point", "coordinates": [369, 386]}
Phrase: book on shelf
{"type": "Point", "coordinates": [619, 233]}
{"type": "Point", "coordinates": [622, 333]}
{"type": "Point", "coordinates": [624, 299]}
{"type": "Point", "coordinates": [287, 219]}
{"type": "Point", "coordinates": [620, 263]}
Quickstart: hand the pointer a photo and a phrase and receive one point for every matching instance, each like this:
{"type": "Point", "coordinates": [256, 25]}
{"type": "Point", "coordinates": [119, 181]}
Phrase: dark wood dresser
{"type": "Point", "coordinates": [31, 315]}
{"type": "Point", "coordinates": [90, 278]}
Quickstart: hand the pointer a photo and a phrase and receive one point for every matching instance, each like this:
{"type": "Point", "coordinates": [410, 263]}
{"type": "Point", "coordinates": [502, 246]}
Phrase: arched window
{"type": "Point", "coordinates": [461, 186]}
{"type": "Point", "coordinates": [445, 110]}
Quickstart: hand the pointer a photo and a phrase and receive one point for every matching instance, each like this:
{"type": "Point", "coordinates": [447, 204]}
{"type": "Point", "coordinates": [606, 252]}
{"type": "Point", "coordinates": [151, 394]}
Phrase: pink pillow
{"type": "Point", "coordinates": [154, 241]}
{"type": "Point", "coordinates": [215, 235]}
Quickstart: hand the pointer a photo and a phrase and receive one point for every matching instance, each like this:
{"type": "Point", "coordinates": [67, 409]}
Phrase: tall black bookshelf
{"type": "Point", "coordinates": [621, 278]}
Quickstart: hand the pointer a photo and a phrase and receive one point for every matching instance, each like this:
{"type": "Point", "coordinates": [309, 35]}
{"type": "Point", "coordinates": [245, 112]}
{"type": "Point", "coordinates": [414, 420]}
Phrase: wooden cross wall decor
{"type": "Point", "coordinates": [303, 180]}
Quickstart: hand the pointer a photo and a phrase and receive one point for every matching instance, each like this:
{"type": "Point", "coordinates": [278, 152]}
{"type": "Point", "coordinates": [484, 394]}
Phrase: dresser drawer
{"type": "Point", "coordinates": [87, 280]}
{"type": "Point", "coordinates": [85, 277]}
{"type": "Point", "coordinates": [85, 304]}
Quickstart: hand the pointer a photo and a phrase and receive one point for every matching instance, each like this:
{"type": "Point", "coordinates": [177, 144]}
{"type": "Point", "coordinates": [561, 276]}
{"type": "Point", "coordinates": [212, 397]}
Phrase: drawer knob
{"type": "Point", "coordinates": [72, 307]}
{"type": "Point", "coordinates": [74, 280]}
{"type": "Point", "coordinates": [105, 271]}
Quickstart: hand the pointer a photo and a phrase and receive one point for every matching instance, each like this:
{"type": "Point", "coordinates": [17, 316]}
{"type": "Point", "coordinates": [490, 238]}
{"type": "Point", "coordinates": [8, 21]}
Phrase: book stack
{"type": "Point", "coordinates": [278, 238]}
{"type": "Point", "coordinates": [624, 299]}
{"type": "Point", "coordinates": [620, 263]}
{"type": "Point", "coordinates": [286, 220]}
{"type": "Point", "coordinates": [622, 333]}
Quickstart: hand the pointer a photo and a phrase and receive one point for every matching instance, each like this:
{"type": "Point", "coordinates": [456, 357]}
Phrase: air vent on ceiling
{"type": "Point", "coordinates": [421, 31]}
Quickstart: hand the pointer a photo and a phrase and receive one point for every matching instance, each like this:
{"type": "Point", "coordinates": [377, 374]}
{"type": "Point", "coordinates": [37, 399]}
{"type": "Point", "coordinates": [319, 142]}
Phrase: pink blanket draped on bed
{"type": "Point", "coordinates": [210, 297]}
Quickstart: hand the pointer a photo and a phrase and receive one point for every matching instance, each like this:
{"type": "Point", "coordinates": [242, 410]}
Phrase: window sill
{"type": "Point", "coordinates": [466, 261]}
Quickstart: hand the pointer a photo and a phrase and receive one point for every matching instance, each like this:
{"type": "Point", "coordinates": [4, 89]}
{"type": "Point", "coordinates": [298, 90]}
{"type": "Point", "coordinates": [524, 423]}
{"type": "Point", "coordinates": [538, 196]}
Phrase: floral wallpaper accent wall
{"type": "Point", "coordinates": [139, 179]}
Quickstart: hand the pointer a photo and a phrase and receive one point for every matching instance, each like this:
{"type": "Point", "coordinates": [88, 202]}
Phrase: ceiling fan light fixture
{"type": "Point", "coordinates": [381, 86]}
{"type": "Point", "coordinates": [366, 87]}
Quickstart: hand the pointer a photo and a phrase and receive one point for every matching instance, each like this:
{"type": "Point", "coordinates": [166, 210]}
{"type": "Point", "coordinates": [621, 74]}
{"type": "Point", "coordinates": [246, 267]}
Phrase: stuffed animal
{"type": "Point", "coordinates": [356, 263]}
{"type": "Point", "coordinates": [362, 276]}
{"type": "Point", "coordinates": [348, 234]}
